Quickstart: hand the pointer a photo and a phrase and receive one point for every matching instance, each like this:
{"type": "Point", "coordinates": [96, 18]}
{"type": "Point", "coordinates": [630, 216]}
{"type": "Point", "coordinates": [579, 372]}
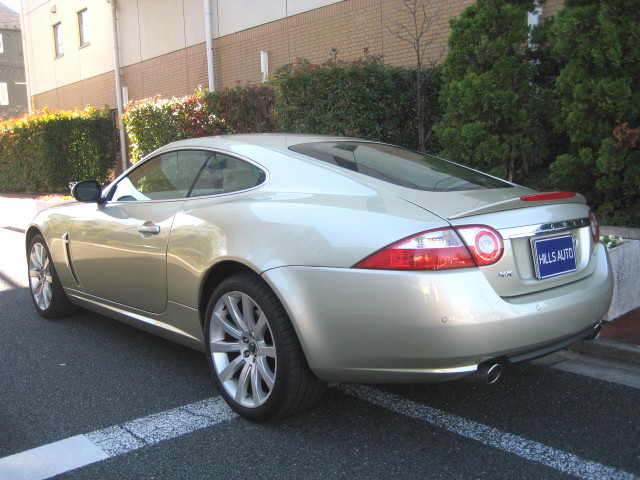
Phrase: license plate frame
{"type": "Point", "coordinates": [554, 256]}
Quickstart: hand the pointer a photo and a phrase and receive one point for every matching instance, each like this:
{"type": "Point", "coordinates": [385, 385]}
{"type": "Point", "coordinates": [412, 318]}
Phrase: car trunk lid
{"type": "Point", "coordinates": [547, 242]}
{"type": "Point", "coordinates": [461, 204]}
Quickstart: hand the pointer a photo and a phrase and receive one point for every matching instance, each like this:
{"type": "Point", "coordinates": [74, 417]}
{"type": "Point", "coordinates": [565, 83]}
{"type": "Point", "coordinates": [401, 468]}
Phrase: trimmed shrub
{"type": "Point", "coordinates": [154, 122]}
{"type": "Point", "coordinates": [597, 42]}
{"type": "Point", "coordinates": [42, 152]}
{"type": "Point", "coordinates": [364, 98]}
{"type": "Point", "coordinates": [489, 100]}
{"type": "Point", "coordinates": [245, 109]}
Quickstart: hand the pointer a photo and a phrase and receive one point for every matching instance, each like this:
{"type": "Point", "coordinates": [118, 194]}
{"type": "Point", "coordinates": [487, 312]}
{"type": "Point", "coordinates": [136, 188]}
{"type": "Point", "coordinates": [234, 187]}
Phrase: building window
{"type": "Point", "coordinates": [1, 44]}
{"type": "Point", "coordinates": [83, 27]}
{"type": "Point", "coordinates": [57, 39]}
{"type": "Point", "coordinates": [4, 94]}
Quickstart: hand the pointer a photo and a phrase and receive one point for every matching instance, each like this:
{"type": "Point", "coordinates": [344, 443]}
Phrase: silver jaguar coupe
{"type": "Point", "coordinates": [296, 260]}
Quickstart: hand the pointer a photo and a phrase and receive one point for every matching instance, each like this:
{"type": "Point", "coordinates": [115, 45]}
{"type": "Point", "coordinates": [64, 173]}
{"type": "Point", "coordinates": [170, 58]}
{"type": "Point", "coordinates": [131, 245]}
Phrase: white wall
{"type": "Point", "coordinates": [233, 16]}
{"type": "Point", "coordinates": [148, 29]}
{"type": "Point", "coordinates": [77, 63]}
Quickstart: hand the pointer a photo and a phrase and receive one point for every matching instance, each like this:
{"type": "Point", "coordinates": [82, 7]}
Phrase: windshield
{"type": "Point", "coordinates": [400, 166]}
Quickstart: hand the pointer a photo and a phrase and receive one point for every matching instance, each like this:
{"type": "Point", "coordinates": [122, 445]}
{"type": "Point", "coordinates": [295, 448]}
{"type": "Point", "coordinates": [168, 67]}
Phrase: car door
{"type": "Point", "coordinates": [119, 247]}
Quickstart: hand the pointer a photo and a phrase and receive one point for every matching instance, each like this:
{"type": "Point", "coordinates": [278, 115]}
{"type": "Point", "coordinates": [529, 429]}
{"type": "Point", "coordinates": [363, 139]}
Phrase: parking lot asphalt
{"type": "Point", "coordinates": [619, 340]}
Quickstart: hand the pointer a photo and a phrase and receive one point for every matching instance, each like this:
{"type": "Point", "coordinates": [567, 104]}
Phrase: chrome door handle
{"type": "Point", "coordinates": [152, 229]}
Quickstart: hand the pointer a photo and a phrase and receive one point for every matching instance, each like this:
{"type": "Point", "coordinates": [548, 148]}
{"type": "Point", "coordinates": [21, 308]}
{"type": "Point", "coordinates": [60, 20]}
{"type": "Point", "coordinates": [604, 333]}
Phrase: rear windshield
{"type": "Point", "coordinates": [399, 166]}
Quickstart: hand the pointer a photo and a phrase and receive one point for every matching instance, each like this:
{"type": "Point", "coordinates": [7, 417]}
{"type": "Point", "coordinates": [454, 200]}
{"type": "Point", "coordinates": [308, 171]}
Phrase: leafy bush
{"type": "Point", "coordinates": [611, 241]}
{"type": "Point", "coordinates": [489, 100]}
{"type": "Point", "coordinates": [364, 98]}
{"type": "Point", "coordinates": [598, 44]}
{"type": "Point", "coordinates": [42, 152]}
{"type": "Point", "coordinates": [245, 108]}
{"type": "Point", "coordinates": [154, 122]}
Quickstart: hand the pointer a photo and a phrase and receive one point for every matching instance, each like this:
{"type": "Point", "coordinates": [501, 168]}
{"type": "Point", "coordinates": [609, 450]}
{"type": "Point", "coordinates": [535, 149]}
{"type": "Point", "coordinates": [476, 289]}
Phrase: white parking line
{"type": "Point", "coordinates": [81, 450]}
{"type": "Point", "coordinates": [75, 452]}
{"type": "Point", "coordinates": [51, 459]}
{"type": "Point", "coordinates": [507, 442]}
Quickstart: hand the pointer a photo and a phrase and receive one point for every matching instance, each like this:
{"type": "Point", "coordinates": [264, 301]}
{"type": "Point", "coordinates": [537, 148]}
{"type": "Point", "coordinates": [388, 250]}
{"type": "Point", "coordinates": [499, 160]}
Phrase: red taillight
{"type": "Point", "coordinates": [595, 229]}
{"type": "Point", "coordinates": [431, 250]}
{"type": "Point", "coordinates": [485, 243]}
{"type": "Point", "coordinates": [439, 249]}
{"type": "Point", "coordinates": [541, 197]}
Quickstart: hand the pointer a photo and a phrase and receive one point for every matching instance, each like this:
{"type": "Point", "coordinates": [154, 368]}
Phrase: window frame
{"type": "Point", "coordinates": [84, 33]}
{"type": "Point", "coordinates": [58, 40]}
{"type": "Point", "coordinates": [110, 192]}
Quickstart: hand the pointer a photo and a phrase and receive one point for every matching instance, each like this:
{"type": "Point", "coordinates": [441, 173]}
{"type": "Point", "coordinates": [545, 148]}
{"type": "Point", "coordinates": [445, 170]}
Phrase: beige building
{"type": "Point", "coordinates": [13, 88]}
{"type": "Point", "coordinates": [69, 44]}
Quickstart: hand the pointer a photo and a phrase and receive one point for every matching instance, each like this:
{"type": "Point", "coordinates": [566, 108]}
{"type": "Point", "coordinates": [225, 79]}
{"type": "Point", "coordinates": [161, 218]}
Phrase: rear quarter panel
{"type": "Point", "coordinates": [317, 218]}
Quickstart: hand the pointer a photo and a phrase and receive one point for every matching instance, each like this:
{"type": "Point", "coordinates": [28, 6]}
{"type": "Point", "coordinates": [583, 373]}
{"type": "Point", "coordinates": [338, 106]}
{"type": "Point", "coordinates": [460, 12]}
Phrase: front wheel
{"type": "Point", "coordinates": [46, 290]}
{"type": "Point", "coordinates": [254, 353]}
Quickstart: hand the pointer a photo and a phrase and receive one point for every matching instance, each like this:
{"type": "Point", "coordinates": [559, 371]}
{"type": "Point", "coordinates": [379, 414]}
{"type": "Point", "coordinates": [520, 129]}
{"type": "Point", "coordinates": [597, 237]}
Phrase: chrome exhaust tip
{"type": "Point", "coordinates": [595, 333]}
{"type": "Point", "coordinates": [487, 373]}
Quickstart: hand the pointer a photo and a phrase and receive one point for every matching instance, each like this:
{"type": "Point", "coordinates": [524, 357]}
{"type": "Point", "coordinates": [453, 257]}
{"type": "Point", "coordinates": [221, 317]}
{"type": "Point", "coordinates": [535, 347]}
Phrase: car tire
{"type": "Point", "coordinates": [255, 357]}
{"type": "Point", "coordinates": [47, 293]}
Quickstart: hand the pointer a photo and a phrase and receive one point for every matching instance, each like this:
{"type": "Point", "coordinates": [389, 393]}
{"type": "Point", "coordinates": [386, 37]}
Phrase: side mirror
{"type": "Point", "coordinates": [87, 191]}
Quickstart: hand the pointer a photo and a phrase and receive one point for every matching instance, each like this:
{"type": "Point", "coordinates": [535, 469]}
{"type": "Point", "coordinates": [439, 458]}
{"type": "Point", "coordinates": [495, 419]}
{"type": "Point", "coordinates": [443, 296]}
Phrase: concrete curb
{"type": "Point", "coordinates": [612, 350]}
{"type": "Point", "coordinates": [625, 263]}
{"type": "Point", "coordinates": [624, 232]}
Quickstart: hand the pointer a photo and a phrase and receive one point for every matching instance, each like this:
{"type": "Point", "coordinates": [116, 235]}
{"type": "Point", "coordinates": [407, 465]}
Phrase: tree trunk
{"type": "Point", "coordinates": [420, 111]}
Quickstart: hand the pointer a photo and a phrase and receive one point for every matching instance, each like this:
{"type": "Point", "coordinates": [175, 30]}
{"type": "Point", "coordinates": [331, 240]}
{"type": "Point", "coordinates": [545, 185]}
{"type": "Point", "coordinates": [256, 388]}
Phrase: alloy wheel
{"type": "Point", "coordinates": [40, 276]}
{"type": "Point", "coordinates": [243, 350]}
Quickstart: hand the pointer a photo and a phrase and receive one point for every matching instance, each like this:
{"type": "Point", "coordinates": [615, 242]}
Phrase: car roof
{"type": "Point", "coordinates": [275, 141]}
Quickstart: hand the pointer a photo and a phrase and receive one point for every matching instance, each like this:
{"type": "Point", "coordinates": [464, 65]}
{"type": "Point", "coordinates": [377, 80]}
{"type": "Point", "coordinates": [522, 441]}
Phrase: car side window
{"type": "Point", "coordinates": [167, 176]}
{"type": "Point", "coordinates": [224, 174]}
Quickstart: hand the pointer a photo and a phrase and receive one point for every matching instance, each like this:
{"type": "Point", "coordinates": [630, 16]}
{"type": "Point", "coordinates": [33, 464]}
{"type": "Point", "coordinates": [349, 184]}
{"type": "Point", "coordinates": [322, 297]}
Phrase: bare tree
{"type": "Point", "coordinates": [418, 32]}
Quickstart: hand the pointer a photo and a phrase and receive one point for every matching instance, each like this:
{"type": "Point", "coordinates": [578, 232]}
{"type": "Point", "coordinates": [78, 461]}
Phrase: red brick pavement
{"type": "Point", "coordinates": [624, 329]}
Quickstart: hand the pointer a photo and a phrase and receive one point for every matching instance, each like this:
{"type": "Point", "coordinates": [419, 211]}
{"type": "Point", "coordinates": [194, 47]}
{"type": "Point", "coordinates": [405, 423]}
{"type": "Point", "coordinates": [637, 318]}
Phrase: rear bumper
{"type": "Point", "coordinates": [378, 326]}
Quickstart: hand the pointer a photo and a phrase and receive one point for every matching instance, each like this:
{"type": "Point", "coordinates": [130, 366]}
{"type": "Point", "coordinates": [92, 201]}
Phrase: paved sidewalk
{"type": "Point", "coordinates": [619, 340]}
{"type": "Point", "coordinates": [17, 210]}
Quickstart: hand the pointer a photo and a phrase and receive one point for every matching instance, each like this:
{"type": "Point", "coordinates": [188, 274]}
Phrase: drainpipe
{"type": "Point", "coordinates": [27, 56]}
{"type": "Point", "coordinates": [118, 75]}
{"type": "Point", "coordinates": [208, 31]}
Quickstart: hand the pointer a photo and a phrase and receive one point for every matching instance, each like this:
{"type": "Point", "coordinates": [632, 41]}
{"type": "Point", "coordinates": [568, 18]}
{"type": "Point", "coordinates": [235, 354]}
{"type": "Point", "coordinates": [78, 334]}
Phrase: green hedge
{"type": "Point", "coordinates": [597, 45]}
{"type": "Point", "coordinates": [490, 104]}
{"type": "Point", "coordinates": [245, 108]}
{"type": "Point", "coordinates": [42, 152]}
{"type": "Point", "coordinates": [154, 122]}
{"type": "Point", "coordinates": [364, 98]}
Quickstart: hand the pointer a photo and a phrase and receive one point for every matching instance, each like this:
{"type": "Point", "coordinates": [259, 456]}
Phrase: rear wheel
{"type": "Point", "coordinates": [254, 353]}
{"type": "Point", "coordinates": [46, 290]}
